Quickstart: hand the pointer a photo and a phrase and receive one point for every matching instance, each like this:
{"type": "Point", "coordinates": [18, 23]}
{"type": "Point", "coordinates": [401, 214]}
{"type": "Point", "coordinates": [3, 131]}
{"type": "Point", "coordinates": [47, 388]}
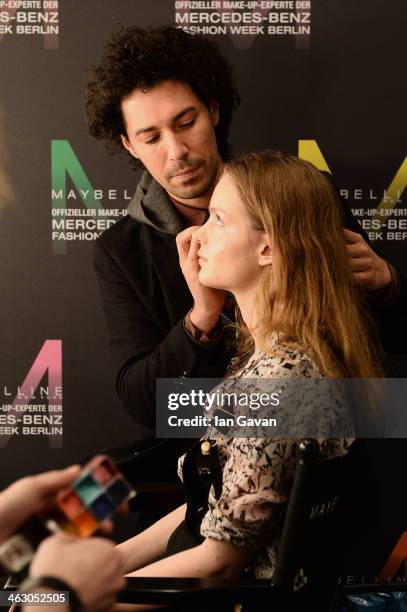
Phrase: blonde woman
{"type": "Point", "coordinates": [274, 240]}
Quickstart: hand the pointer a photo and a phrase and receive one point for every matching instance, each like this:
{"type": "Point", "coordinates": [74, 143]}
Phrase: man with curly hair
{"type": "Point", "coordinates": [168, 98]}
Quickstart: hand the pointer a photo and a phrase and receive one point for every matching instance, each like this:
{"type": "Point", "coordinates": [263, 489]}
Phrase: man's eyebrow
{"type": "Point", "coordinates": [143, 130]}
{"type": "Point", "coordinates": [188, 109]}
{"type": "Point", "coordinates": [178, 116]}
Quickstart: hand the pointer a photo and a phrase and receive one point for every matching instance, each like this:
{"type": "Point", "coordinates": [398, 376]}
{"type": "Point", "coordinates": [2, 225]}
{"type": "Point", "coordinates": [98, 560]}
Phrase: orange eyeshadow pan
{"type": "Point", "coordinates": [70, 504]}
{"type": "Point", "coordinates": [85, 523]}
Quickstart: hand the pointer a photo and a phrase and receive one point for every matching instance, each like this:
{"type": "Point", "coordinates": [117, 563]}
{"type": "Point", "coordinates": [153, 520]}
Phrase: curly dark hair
{"type": "Point", "coordinates": [137, 57]}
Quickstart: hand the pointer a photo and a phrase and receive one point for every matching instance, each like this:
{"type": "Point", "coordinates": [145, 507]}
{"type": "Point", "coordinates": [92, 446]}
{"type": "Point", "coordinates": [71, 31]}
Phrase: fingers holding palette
{"type": "Point", "coordinates": [99, 492]}
{"type": "Point", "coordinates": [95, 496]}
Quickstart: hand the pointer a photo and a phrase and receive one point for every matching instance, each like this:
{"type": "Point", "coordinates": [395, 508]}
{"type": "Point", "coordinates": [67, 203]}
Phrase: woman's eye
{"type": "Point", "coordinates": [218, 220]}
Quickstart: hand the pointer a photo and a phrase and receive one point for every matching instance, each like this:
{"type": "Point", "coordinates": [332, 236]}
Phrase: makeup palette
{"type": "Point", "coordinates": [98, 492]}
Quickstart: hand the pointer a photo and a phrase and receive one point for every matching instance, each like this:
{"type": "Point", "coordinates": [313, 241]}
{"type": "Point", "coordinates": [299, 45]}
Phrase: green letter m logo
{"type": "Point", "coordinates": [63, 162]}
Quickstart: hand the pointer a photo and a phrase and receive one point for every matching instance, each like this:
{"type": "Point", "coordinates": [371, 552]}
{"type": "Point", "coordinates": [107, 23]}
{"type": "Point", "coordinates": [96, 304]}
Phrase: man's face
{"type": "Point", "coordinates": [173, 134]}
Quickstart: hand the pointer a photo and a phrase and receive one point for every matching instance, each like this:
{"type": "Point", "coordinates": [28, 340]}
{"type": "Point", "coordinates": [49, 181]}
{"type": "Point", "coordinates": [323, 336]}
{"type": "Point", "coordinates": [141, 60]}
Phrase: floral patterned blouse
{"type": "Point", "coordinates": [257, 472]}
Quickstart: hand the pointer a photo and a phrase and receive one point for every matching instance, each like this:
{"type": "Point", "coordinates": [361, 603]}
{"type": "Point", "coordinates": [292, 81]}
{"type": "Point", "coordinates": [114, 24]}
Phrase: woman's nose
{"type": "Point", "coordinates": [200, 233]}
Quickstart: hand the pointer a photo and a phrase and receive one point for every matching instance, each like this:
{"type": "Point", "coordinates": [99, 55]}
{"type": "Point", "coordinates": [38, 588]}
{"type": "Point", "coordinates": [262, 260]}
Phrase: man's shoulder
{"type": "Point", "coordinates": [125, 233]}
{"type": "Point", "coordinates": [126, 227]}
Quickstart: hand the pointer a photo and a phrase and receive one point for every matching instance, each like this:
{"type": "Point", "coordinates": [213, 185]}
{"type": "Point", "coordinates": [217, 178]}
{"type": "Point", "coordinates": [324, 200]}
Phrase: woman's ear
{"type": "Point", "coordinates": [265, 253]}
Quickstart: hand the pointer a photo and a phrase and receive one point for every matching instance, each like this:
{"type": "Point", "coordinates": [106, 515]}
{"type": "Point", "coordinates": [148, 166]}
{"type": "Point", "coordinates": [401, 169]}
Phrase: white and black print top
{"type": "Point", "coordinates": [257, 472]}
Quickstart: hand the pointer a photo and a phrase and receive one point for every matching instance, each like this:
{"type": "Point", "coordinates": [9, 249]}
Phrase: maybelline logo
{"type": "Point", "coordinates": [33, 393]}
{"type": "Point", "coordinates": [91, 194]}
{"type": "Point", "coordinates": [358, 193]}
{"type": "Point", "coordinates": [48, 362]}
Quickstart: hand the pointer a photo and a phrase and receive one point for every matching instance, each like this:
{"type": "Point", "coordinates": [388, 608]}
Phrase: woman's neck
{"type": "Point", "coordinates": [246, 301]}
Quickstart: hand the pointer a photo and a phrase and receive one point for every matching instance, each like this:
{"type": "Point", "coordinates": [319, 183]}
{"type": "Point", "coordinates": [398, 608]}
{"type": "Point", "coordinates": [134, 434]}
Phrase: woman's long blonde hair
{"type": "Point", "coordinates": [308, 294]}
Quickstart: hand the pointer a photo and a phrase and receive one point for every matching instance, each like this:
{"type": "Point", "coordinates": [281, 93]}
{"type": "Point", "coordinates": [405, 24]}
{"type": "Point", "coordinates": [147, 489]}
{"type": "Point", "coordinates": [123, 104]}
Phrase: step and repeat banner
{"type": "Point", "coordinates": [321, 79]}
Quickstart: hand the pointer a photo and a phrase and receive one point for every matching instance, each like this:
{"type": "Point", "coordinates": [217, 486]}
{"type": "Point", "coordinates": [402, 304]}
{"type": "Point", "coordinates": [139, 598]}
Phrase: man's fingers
{"type": "Point", "coordinates": [359, 249]}
{"type": "Point", "coordinates": [182, 248]}
{"type": "Point", "coordinates": [185, 236]}
{"type": "Point", "coordinates": [368, 268]}
{"type": "Point", "coordinates": [191, 260]}
{"type": "Point", "coordinates": [361, 264]}
{"type": "Point", "coordinates": [352, 237]}
{"type": "Point", "coordinates": [356, 244]}
{"type": "Point", "coordinates": [51, 482]}
{"type": "Point", "coordinates": [38, 488]}
{"type": "Point", "coordinates": [362, 277]}
{"type": "Point", "coordinates": [183, 241]}
{"type": "Point", "coordinates": [193, 248]}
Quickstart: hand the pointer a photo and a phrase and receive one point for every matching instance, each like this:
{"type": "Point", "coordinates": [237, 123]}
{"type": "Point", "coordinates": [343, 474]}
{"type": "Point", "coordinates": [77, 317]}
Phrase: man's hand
{"type": "Point", "coordinates": [208, 302]}
{"type": "Point", "coordinates": [91, 566]}
{"type": "Point", "coordinates": [369, 270]}
{"type": "Point", "coordinates": [29, 495]}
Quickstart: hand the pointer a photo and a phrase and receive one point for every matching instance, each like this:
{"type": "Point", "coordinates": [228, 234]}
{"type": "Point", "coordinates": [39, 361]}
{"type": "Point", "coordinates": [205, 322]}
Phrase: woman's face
{"type": "Point", "coordinates": [231, 254]}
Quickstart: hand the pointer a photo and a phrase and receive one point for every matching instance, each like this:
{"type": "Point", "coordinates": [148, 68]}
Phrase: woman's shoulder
{"type": "Point", "coordinates": [281, 359]}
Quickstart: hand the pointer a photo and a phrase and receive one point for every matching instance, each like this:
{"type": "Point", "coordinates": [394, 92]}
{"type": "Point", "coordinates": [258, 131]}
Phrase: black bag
{"type": "Point", "coordinates": [201, 469]}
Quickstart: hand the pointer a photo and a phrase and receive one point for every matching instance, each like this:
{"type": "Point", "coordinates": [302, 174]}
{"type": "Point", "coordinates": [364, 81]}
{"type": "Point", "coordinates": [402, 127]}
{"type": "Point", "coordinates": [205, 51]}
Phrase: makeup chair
{"type": "Point", "coordinates": [311, 552]}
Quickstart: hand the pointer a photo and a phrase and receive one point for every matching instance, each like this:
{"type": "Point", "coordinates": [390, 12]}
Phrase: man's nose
{"type": "Point", "coordinates": [176, 147]}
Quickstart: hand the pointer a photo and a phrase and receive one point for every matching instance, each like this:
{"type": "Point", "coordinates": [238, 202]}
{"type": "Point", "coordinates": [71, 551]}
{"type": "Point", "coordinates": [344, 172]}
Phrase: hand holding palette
{"type": "Point", "coordinates": [96, 494]}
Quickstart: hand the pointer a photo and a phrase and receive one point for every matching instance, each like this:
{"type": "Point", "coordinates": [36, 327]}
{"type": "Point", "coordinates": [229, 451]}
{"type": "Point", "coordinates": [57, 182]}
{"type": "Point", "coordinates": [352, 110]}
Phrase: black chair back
{"type": "Point", "coordinates": [311, 551]}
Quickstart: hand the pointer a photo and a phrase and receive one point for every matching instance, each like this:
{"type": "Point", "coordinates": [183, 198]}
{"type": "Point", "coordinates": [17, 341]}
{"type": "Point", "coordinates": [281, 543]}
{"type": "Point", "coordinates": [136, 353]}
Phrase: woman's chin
{"type": "Point", "coordinates": [207, 281]}
{"type": "Point", "coordinates": [203, 279]}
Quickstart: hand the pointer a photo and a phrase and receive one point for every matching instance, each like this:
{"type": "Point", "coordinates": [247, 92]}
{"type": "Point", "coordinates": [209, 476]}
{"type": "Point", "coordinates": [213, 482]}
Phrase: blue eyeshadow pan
{"type": "Point", "coordinates": [102, 507]}
{"type": "Point", "coordinates": [88, 489]}
{"type": "Point", "coordinates": [119, 491]}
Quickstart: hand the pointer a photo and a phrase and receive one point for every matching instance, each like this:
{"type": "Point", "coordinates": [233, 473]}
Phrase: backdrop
{"type": "Point", "coordinates": [324, 79]}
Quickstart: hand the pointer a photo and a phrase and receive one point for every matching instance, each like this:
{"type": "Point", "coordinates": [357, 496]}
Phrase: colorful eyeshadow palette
{"type": "Point", "coordinates": [94, 497]}
{"type": "Point", "coordinates": [96, 494]}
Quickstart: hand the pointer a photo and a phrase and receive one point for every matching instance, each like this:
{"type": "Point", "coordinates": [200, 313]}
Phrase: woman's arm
{"type": "Point", "coordinates": [151, 543]}
{"type": "Point", "coordinates": [211, 558]}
